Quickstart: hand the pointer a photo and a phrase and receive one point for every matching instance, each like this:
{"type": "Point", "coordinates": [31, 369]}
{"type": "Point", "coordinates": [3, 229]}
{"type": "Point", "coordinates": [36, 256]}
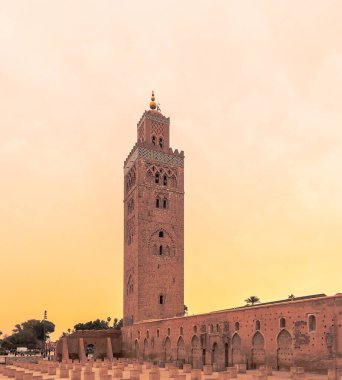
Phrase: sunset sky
{"type": "Point", "coordinates": [254, 93]}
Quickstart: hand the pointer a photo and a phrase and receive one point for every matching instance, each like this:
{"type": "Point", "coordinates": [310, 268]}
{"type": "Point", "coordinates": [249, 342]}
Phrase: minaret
{"type": "Point", "coordinates": [153, 223]}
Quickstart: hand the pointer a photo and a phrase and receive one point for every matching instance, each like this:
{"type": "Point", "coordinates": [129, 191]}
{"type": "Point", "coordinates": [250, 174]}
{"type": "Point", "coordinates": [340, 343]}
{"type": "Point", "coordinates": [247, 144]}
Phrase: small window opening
{"type": "Point", "coordinates": [161, 142]}
{"type": "Point", "coordinates": [147, 334]}
{"type": "Point", "coordinates": [158, 203]}
{"type": "Point", "coordinates": [138, 334]}
{"type": "Point", "coordinates": [282, 323]}
{"type": "Point", "coordinates": [165, 180]}
{"type": "Point", "coordinates": [157, 178]}
{"type": "Point", "coordinates": [312, 323]}
{"type": "Point", "coordinates": [165, 203]}
{"type": "Point", "coordinates": [158, 333]}
{"type": "Point", "coordinates": [154, 140]}
{"type": "Point", "coordinates": [181, 331]}
{"type": "Point", "coordinates": [211, 328]}
{"type": "Point", "coordinates": [218, 328]}
{"type": "Point", "coordinates": [237, 326]}
{"type": "Point", "coordinates": [161, 234]}
{"type": "Point", "coordinates": [257, 325]}
{"type": "Point", "coordinates": [161, 300]}
{"type": "Point", "coordinates": [169, 331]}
{"type": "Point", "coordinates": [195, 329]}
{"type": "Point", "coordinates": [161, 250]}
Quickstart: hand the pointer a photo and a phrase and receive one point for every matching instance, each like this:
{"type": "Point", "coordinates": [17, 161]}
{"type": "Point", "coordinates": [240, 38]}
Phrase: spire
{"type": "Point", "coordinates": [153, 104]}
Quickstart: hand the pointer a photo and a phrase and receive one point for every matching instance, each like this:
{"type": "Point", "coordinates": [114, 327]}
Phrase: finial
{"type": "Point", "coordinates": [153, 104]}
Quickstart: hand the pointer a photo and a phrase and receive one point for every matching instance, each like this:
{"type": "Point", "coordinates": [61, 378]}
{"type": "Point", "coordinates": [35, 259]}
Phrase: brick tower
{"type": "Point", "coordinates": [153, 223]}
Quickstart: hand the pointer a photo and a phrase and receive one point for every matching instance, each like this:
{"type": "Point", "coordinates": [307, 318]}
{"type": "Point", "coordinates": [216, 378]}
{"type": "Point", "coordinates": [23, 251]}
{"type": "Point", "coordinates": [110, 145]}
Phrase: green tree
{"type": "Point", "coordinates": [252, 300]}
{"type": "Point", "coordinates": [29, 334]}
{"type": "Point", "coordinates": [291, 297]}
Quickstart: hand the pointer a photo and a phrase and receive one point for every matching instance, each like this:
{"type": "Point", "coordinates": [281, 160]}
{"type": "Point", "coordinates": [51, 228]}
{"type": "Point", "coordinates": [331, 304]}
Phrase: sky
{"type": "Point", "coordinates": [254, 93]}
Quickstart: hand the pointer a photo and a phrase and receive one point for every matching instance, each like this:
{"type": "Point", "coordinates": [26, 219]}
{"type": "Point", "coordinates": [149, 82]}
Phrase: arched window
{"type": "Point", "coordinates": [181, 331]}
{"type": "Point", "coordinates": [157, 176]}
{"type": "Point", "coordinates": [161, 143]}
{"type": "Point", "coordinates": [282, 323]}
{"type": "Point", "coordinates": [164, 203]}
{"type": "Point", "coordinates": [169, 331]}
{"type": "Point", "coordinates": [138, 334]}
{"type": "Point", "coordinates": [161, 299]}
{"type": "Point", "coordinates": [195, 329]}
{"type": "Point", "coordinates": [158, 203]}
{"type": "Point", "coordinates": [312, 323]}
{"type": "Point", "coordinates": [165, 180]}
{"type": "Point", "coordinates": [211, 328]}
{"type": "Point", "coordinates": [237, 326]}
{"type": "Point", "coordinates": [218, 328]}
{"type": "Point", "coordinates": [161, 234]}
{"type": "Point", "coordinates": [257, 325]}
{"type": "Point", "coordinates": [154, 140]}
{"type": "Point", "coordinates": [160, 250]}
{"type": "Point", "coordinates": [157, 333]}
{"type": "Point", "coordinates": [147, 334]}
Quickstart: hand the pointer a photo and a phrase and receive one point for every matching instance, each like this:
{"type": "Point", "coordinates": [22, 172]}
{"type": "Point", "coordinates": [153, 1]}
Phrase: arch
{"type": "Point", "coordinates": [214, 354]}
{"type": "Point", "coordinates": [226, 354]}
{"type": "Point", "coordinates": [258, 350]}
{"type": "Point", "coordinates": [145, 352]}
{"type": "Point", "coordinates": [167, 350]}
{"type": "Point", "coordinates": [282, 323]}
{"type": "Point", "coordinates": [181, 353]}
{"type": "Point", "coordinates": [236, 326]}
{"type": "Point", "coordinates": [257, 325]}
{"type": "Point", "coordinates": [153, 140]}
{"type": "Point", "coordinates": [157, 177]}
{"type": "Point", "coordinates": [165, 203]}
{"type": "Point", "coordinates": [136, 349]}
{"type": "Point", "coordinates": [312, 323]}
{"type": "Point", "coordinates": [284, 350]}
{"type": "Point", "coordinates": [90, 350]}
{"type": "Point", "coordinates": [196, 352]}
{"type": "Point", "coordinates": [165, 180]}
{"type": "Point", "coordinates": [157, 202]}
{"type": "Point", "coordinates": [161, 142]}
{"type": "Point", "coordinates": [236, 349]}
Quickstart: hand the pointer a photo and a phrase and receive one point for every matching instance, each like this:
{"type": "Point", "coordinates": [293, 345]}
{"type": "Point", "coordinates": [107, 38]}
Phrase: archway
{"type": "Point", "coordinates": [136, 349]}
{"type": "Point", "coordinates": [258, 350]}
{"type": "Point", "coordinates": [181, 353]}
{"type": "Point", "coordinates": [196, 353]}
{"type": "Point", "coordinates": [284, 351]}
{"type": "Point", "coordinates": [236, 349]}
{"type": "Point", "coordinates": [214, 354]}
{"type": "Point", "coordinates": [145, 352]}
{"type": "Point", "coordinates": [226, 355]}
{"type": "Point", "coordinates": [90, 351]}
{"type": "Point", "coordinates": [167, 352]}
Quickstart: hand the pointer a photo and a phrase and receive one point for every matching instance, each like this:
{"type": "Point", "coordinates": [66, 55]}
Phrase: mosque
{"type": "Point", "coordinates": [304, 331]}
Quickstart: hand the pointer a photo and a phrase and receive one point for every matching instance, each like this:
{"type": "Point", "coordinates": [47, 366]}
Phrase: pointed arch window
{"type": "Point", "coordinates": [237, 326]}
{"type": "Point", "coordinates": [161, 250]}
{"type": "Point", "coordinates": [165, 203]}
{"type": "Point", "coordinates": [154, 140]}
{"type": "Point", "coordinates": [161, 142]}
{"type": "Point", "coordinates": [282, 323]}
{"type": "Point", "coordinates": [157, 202]}
{"type": "Point", "coordinates": [165, 180]}
{"type": "Point", "coordinates": [257, 325]}
{"type": "Point", "coordinates": [157, 177]}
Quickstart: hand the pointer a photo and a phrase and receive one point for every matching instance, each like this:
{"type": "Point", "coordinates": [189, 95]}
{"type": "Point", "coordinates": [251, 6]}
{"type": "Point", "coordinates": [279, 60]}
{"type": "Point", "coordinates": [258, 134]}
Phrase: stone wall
{"type": "Point", "coordinates": [294, 333]}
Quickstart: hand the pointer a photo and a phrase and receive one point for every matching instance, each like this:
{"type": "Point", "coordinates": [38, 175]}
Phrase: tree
{"type": "Point", "coordinates": [118, 324]}
{"type": "Point", "coordinates": [186, 310]}
{"type": "Point", "coordinates": [108, 320]}
{"type": "Point", "coordinates": [252, 300]}
{"type": "Point", "coordinates": [29, 334]}
{"type": "Point", "coordinates": [291, 297]}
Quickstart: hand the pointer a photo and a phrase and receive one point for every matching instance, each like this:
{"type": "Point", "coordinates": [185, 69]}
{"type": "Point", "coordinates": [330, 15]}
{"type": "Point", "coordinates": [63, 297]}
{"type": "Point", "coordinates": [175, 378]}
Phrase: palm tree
{"type": "Point", "coordinates": [108, 320]}
{"type": "Point", "coordinates": [252, 300]}
{"type": "Point", "coordinates": [291, 297]}
{"type": "Point", "coordinates": [69, 331]}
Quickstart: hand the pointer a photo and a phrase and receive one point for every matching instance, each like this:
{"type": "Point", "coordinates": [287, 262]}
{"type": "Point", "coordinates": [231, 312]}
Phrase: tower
{"type": "Point", "coordinates": [153, 223]}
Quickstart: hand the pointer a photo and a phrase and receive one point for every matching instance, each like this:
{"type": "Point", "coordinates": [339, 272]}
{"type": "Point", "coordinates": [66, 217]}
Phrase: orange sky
{"type": "Point", "coordinates": [254, 92]}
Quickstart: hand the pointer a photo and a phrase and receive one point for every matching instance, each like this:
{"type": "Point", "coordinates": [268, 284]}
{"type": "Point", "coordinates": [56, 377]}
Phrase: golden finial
{"type": "Point", "coordinates": [153, 104]}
